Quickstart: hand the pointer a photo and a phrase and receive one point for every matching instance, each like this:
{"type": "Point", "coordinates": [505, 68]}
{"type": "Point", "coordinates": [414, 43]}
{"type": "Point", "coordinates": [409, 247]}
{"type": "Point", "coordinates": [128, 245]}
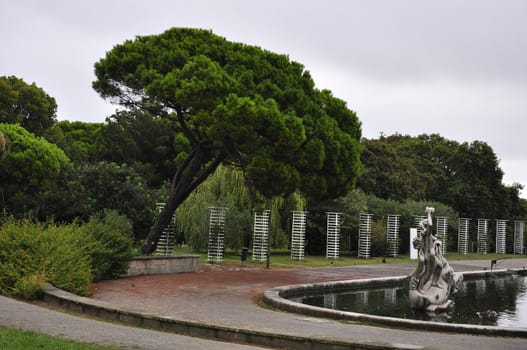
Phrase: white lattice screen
{"type": "Point", "coordinates": [501, 232]}
{"type": "Point", "coordinates": [392, 235]}
{"type": "Point", "coordinates": [298, 235]}
{"type": "Point", "coordinates": [365, 221]}
{"type": "Point", "coordinates": [463, 236]}
{"type": "Point", "coordinates": [483, 230]}
{"type": "Point", "coordinates": [261, 235]}
{"type": "Point", "coordinates": [165, 245]}
{"type": "Point", "coordinates": [216, 234]}
{"type": "Point", "coordinates": [333, 235]}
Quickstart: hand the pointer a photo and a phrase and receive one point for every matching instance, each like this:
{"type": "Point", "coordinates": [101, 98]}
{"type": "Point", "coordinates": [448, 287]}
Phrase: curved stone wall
{"type": "Point", "coordinates": [278, 298]}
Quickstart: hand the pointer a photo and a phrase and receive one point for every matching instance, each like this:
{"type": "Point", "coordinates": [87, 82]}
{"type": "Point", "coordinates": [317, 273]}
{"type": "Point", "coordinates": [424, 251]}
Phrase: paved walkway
{"type": "Point", "coordinates": [228, 295]}
{"type": "Point", "coordinates": [20, 315]}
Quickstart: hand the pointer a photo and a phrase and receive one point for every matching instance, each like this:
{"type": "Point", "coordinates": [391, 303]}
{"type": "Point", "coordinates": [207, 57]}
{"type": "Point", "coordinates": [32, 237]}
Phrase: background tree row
{"type": "Point", "coordinates": [74, 170]}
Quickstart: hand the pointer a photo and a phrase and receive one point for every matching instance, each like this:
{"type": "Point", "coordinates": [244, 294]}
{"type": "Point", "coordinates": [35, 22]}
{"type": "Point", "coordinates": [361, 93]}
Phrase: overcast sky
{"type": "Point", "coordinates": [453, 67]}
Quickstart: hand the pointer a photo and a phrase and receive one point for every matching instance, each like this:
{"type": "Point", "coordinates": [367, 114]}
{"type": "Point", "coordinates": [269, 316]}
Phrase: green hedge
{"type": "Point", "coordinates": [109, 241]}
{"type": "Point", "coordinates": [68, 256]}
{"type": "Point", "coordinates": [35, 252]}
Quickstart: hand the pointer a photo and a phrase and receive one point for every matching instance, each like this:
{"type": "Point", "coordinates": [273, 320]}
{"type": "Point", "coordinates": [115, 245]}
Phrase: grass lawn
{"type": "Point", "coordinates": [15, 339]}
{"type": "Point", "coordinates": [282, 259]}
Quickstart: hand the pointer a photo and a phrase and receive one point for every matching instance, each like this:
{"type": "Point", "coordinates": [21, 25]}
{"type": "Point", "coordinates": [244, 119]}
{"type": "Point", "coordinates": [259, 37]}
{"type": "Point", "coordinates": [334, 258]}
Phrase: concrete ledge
{"type": "Point", "coordinates": [105, 310]}
{"type": "Point", "coordinates": [151, 265]}
{"type": "Point", "coordinates": [277, 298]}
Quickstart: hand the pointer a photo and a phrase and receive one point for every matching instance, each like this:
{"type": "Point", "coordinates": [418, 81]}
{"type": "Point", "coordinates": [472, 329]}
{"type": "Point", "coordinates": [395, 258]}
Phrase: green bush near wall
{"type": "Point", "coordinates": [68, 256]}
{"type": "Point", "coordinates": [109, 239]}
{"type": "Point", "coordinates": [55, 253]}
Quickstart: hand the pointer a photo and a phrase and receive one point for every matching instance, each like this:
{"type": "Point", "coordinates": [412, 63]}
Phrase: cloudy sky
{"type": "Point", "coordinates": [453, 67]}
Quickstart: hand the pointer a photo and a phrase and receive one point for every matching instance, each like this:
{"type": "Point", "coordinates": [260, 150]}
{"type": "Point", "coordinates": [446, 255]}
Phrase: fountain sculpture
{"type": "Point", "coordinates": [433, 281]}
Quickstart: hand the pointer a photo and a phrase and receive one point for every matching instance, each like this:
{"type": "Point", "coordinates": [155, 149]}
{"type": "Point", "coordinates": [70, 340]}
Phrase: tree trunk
{"type": "Point", "coordinates": [150, 243]}
{"type": "Point", "coordinates": [189, 176]}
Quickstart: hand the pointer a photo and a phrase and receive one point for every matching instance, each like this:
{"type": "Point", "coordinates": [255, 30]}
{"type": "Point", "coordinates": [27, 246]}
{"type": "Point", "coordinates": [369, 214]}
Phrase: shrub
{"type": "Point", "coordinates": [31, 252]}
{"type": "Point", "coordinates": [66, 260]}
{"type": "Point", "coordinates": [67, 256]}
{"type": "Point", "coordinates": [378, 239]}
{"type": "Point", "coordinates": [30, 167]}
{"type": "Point", "coordinates": [109, 240]}
{"type": "Point", "coordinates": [30, 286]}
{"type": "Point", "coordinates": [109, 186]}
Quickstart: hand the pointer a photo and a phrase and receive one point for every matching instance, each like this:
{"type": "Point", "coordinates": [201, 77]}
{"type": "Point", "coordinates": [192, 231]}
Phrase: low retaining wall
{"type": "Point", "coordinates": [151, 265]}
{"type": "Point", "coordinates": [104, 310]}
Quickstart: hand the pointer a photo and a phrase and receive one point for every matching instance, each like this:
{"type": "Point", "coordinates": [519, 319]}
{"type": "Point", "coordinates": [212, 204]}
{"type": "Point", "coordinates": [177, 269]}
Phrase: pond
{"type": "Point", "coordinates": [507, 296]}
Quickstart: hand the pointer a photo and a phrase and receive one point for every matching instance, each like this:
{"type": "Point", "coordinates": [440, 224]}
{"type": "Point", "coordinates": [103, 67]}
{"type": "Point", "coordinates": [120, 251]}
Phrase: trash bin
{"type": "Point", "coordinates": [245, 250]}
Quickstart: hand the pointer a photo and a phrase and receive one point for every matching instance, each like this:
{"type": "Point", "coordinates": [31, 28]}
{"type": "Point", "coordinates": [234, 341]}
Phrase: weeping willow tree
{"type": "Point", "coordinates": [227, 188]}
{"type": "Point", "coordinates": [4, 146]}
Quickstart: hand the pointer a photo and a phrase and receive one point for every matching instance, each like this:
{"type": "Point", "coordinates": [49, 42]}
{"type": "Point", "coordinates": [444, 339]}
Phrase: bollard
{"type": "Point", "coordinates": [245, 250]}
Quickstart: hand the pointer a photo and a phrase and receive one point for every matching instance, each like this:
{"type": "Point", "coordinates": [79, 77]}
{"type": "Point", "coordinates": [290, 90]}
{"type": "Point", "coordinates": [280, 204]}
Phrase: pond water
{"type": "Point", "coordinates": [507, 296]}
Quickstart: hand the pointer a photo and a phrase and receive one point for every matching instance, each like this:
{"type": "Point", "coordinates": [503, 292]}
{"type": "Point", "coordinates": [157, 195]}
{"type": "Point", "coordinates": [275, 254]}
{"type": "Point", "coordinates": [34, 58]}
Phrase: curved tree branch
{"type": "Point", "coordinates": [181, 169]}
{"type": "Point", "coordinates": [184, 127]}
{"type": "Point", "coordinates": [204, 174]}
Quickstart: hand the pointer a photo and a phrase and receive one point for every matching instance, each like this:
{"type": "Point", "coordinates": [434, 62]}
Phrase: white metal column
{"type": "Point", "coordinates": [501, 232]}
{"type": "Point", "coordinates": [518, 237]}
{"type": "Point", "coordinates": [165, 245]}
{"type": "Point", "coordinates": [483, 230]}
{"type": "Point", "coordinates": [261, 235]}
{"type": "Point", "coordinates": [442, 232]}
{"type": "Point", "coordinates": [441, 229]}
{"type": "Point", "coordinates": [392, 235]}
{"type": "Point", "coordinates": [463, 236]}
{"type": "Point", "coordinates": [333, 235]}
{"type": "Point", "coordinates": [216, 234]}
{"type": "Point", "coordinates": [417, 220]}
{"type": "Point", "coordinates": [298, 235]}
{"type": "Point", "coordinates": [364, 235]}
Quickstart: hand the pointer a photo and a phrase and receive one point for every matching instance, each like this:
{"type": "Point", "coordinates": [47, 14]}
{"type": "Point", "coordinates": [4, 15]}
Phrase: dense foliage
{"type": "Point", "coordinates": [67, 256]}
{"type": "Point", "coordinates": [227, 188]}
{"type": "Point", "coordinates": [93, 188]}
{"type": "Point", "coordinates": [34, 252]}
{"type": "Point", "coordinates": [235, 104]}
{"type": "Point", "coordinates": [147, 143]}
{"type": "Point", "coordinates": [82, 142]}
{"type": "Point", "coordinates": [465, 176]}
{"type": "Point", "coordinates": [26, 105]}
{"type": "Point", "coordinates": [217, 123]}
{"type": "Point", "coordinates": [357, 202]}
{"type": "Point", "coordinates": [109, 240]}
{"type": "Point", "coordinates": [120, 164]}
{"type": "Point", "coordinates": [29, 170]}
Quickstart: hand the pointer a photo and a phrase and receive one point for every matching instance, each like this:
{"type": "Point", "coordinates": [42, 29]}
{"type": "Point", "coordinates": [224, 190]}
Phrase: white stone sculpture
{"type": "Point", "coordinates": [433, 281]}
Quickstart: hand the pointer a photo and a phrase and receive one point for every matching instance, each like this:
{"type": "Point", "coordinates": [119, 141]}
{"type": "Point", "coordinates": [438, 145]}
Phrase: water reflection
{"type": "Point", "coordinates": [330, 301]}
{"type": "Point", "coordinates": [390, 296]}
{"type": "Point", "coordinates": [507, 296]}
